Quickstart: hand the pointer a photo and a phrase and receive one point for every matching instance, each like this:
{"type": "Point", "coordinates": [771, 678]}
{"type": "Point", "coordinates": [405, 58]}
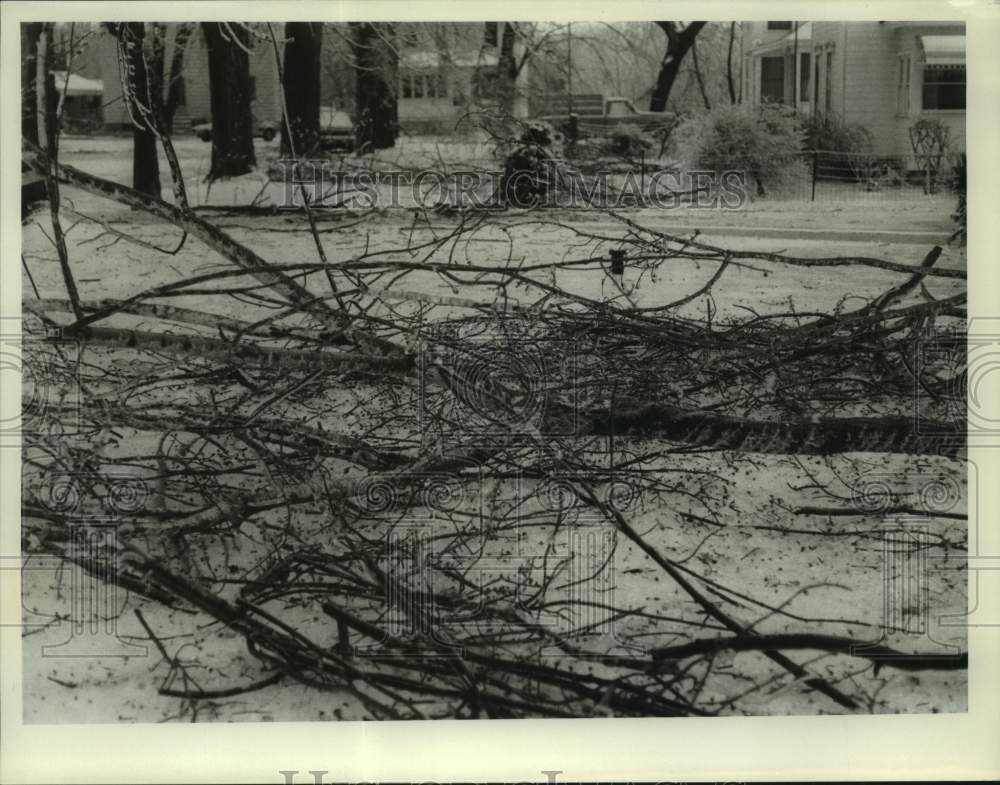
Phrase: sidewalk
{"type": "Point", "coordinates": [861, 235]}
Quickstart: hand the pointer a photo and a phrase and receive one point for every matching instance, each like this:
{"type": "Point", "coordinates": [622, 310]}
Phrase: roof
{"type": "Point", "coordinates": [78, 85]}
{"type": "Point", "coordinates": [943, 49]}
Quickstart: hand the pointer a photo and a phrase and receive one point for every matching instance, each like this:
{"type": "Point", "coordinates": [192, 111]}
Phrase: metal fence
{"type": "Point", "coordinates": [829, 175]}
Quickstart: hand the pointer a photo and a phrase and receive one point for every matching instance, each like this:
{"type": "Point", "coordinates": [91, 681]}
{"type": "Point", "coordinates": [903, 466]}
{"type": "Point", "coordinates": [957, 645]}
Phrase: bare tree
{"type": "Point", "coordinates": [301, 82]}
{"type": "Point", "coordinates": [679, 41]}
{"type": "Point", "coordinates": [30, 33]}
{"type": "Point", "coordinates": [229, 83]}
{"type": "Point", "coordinates": [139, 85]}
{"type": "Point", "coordinates": [507, 68]}
{"type": "Point", "coordinates": [376, 65]}
{"type": "Point", "coordinates": [533, 38]}
{"type": "Point", "coordinates": [175, 78]}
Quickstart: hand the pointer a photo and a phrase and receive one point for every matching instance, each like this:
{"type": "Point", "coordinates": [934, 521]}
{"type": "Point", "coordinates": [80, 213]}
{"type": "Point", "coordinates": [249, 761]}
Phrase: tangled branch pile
{"type": "Point", "coordinates": [413, 497]}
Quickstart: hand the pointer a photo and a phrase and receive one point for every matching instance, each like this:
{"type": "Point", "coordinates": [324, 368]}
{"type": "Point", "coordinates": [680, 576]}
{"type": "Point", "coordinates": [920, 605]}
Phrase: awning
{"type": "Point", "coordinates": [943, 49]}
{"type": "Point", "coordinates": [78, 85]}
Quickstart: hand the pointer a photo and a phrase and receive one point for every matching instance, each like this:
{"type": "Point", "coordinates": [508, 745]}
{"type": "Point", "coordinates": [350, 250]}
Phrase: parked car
{"type": "Point", "coordinates": [265, 129]}
{"type": "Point", "coordinates": [336, 131]}
{"type": "Point", "coordinates": [595, 113]}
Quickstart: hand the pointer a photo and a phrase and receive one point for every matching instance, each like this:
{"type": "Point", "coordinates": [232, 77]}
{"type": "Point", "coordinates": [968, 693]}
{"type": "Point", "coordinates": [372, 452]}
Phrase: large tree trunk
{"type": "Point", "coordinates": [678, 44]}
{"type": "Point", "coordinates": [376, 65]}
{"type": "Point", "coordinates": [145, 161]}
{"type": "Point", "coordinates": [50, 91]}
{"type": "Point", "coordinates": [507, 69]}
{"type": "Point", "coordinates": [229, 85]}
{"type": "Point", "coordinates": [301, 83]}
{"type": "Point", "coordinates": [174, 79]}
{"type": "Point", "coordinates": [30, 33]}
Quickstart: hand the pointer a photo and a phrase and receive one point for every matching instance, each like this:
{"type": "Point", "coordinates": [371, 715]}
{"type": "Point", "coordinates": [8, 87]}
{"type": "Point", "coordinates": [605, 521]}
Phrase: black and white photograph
{"type": "Point", "coordinates": [382, 369]}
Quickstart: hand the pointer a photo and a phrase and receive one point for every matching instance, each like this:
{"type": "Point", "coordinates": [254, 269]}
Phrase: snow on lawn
{"type": "Point", "coordinates": [120, 269]}
{"type": "Point", "coordinates": [741, 529]}
{"type": "Point", "coordinates": [829, 573]}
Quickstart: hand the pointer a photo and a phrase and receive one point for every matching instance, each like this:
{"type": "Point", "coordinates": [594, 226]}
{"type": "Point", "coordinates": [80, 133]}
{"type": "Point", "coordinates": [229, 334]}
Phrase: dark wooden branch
{"type": "Point", "coordinates": [883, 656]}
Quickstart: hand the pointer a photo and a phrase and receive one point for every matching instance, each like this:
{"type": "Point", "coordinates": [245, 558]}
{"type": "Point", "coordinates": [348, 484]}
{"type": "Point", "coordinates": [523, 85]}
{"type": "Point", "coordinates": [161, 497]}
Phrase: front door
{"type": "Point", "coordinates": [772, 79]}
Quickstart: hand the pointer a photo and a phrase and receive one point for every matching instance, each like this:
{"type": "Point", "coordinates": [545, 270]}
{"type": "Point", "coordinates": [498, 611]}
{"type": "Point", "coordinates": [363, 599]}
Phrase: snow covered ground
{"type": "Point", "coordinates": [741, 530]}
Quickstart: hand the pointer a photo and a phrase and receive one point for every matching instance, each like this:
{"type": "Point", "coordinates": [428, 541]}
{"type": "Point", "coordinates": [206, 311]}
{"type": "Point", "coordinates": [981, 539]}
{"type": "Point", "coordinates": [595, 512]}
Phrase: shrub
{"type": "Point", "coordinates": [830, 131]}
{"type": "Point", "coordinates": [628, 142]}
{"type": "Point", "coordinates": [765, 142]}
{"type": "Point", "coordinates": [845, 150]}
{"type": "Point", "coordinates": [529, 166]}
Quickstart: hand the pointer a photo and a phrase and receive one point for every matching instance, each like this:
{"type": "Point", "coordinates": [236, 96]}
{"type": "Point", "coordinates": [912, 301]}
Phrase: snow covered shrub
{"type": "Point", "coordinates": [765, 142]}
{"type": "Point", "coordinates": [628, 141]}
{"type": "Point", "coordinates": [529, 167]}
{"type": "Point", "coordinates": [844, 151]}
{"type": "Point", "coordinates": [830, 132]}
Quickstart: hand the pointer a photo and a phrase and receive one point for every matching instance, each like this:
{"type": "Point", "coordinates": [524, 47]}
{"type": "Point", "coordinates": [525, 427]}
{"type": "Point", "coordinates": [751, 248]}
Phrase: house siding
{"type": "Point", "coordinates": [263, 69]}
{"type": "Point", "coordinates": [99, 60]}
{"type": "Point", "coordinates": [857, 67]}
{"type": "Point", "coordinates": [102, 63]}
{"type": "Point", "coordinates": [868, 95]}
{"type": "Point", "coordinates": [955, 120]}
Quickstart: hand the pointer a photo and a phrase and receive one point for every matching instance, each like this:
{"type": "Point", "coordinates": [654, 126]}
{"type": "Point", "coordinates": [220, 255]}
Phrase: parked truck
{"type": "Point", "coordinates": [597, 114]}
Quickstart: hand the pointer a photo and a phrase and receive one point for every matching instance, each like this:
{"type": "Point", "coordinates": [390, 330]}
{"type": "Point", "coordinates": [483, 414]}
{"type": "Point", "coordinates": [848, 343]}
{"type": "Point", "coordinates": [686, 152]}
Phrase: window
{"type": "Point", "coordinates": [903, 86]}
{"type": "Point", "coordinates": [944, 87]}
{"type": "Point", "coordinates": [417, 85]}
{"type": "Point", "coordinates": [804, 66]}
{"type": "Point", "coordinates": [779, 25]}
{"type": "Point", "coordinates": [772, 79]}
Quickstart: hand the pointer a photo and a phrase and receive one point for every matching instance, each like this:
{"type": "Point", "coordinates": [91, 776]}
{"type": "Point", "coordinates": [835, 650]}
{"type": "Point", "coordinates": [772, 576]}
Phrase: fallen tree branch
{"type": "Point", "coordinates": [883, 656]}
{"type": "Point", "coordinates": [806, 437]}
{"type": "Point", "coordinates": [214, 238]}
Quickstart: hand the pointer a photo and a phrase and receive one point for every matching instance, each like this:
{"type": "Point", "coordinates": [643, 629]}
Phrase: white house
{"type": "Point", "coordinates": [883, 75]}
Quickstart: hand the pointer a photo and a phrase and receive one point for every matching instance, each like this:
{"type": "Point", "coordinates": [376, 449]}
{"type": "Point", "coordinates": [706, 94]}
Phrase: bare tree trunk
{"type": "Point", "coordinates": [51, 117]}
{"type": "Point", "coordinates": [30, 33]}
{"type": "Point", "coordinates": [729, 63]}
{"type": "Point", "coordinates": [678, 44]}
{"type": "Point", "coordinates": [145, 160]}
{"type": "Point", "coordinates": [229, 84]}
{"type": "Point", "coordinates": [50, 91]}
{"type": "Point", "coordinates": [376, 64]}
{"type": "Point", "coordinates": [507, 67]}
{"type": "Point", "coordinates": [174, 79]}
{"type": "Point", "coordinates": [301, 83]}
